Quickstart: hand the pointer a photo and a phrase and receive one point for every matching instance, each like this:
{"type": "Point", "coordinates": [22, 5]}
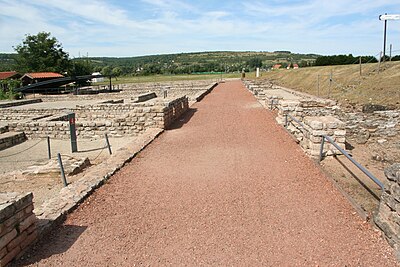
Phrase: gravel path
{"type": "Point", "coordinates": [226, 186]}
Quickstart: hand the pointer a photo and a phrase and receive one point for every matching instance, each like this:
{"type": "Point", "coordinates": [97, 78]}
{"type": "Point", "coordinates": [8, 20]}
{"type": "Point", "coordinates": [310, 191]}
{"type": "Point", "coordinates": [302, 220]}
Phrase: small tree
{"type": "Point", "coordinates": [116, 72]}
{"type": "Point", "coordinates": [7, 89]}
{"type": "Point", "coordinates": [106, 71]}
{"type": "Point", "coordinates": [79, 68]}
{"type": "Point", "coordinates": [41, 52]}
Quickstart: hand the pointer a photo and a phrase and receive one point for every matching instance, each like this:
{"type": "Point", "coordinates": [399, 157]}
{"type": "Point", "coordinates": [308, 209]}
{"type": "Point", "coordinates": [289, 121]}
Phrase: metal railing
{"type": "Point", "coordinates": [273, 104]}
{"type": "Point", "coordinates": [358, 165]}
{"type": "Point", "coordinates": [329, 139]}
{"type": "Point", "coordinates": [288, 116]}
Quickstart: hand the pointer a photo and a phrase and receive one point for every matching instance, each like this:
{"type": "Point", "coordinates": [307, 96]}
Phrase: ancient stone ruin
{"type": "Point", "coordinates": [388, 215]}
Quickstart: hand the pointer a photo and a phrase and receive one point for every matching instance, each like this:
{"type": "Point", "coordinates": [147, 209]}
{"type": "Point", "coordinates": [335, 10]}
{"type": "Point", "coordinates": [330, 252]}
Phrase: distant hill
{"type": "Point", "coordinates": [187, 62]}
{"type": "Point", "coordinates": [201, 61]}
{"type": "Point", "coordinates": [7, 62]}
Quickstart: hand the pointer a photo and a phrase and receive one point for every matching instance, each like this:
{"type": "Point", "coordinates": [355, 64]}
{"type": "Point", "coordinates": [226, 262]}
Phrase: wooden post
{"type": "Point", "coordinates": [360, 67]}
{"type": "Point", "coordinates": [380, 59]}
{"type": "Point", "coordinates": [330, 84]}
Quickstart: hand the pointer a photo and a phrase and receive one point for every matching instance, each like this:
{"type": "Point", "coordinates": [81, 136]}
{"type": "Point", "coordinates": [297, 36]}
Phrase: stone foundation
{"type": "Point", "coordinates": [117, 119]}
{"type": "Point", "coordinates": [17, 225]}
{"type": "Point", "coordinates": [316, 115]}
{"type": "Point", "coordinates": [388, 215]}
{"type": "Point", "coordinates": [318, 126]}
{"type": "Point", "coordinates": [11, 139]}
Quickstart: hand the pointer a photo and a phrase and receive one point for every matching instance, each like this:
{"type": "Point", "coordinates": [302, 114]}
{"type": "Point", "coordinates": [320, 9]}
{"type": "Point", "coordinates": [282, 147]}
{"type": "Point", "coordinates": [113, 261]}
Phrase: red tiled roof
{"type": "Point", "coordinates": [42, 75]}
{"type": "Point", "coordinates": [7, 74]}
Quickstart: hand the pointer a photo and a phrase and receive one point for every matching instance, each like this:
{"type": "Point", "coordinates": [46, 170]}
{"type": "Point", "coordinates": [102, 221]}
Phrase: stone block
{"type": "Point", "coordinates": [30, 239]}
{"type": "Point", "coordinates": [25, 224]}
{"type": "Point", "coordinates": [316, 125]}
{"type": "Point", "coordinates": [392, 172]}
{"type": "Point", "coordinates": [5, 239]}
{"type": "Point", "coordinates": [10, 256]}
{"type": "Point", "coordinates": [17, 241]}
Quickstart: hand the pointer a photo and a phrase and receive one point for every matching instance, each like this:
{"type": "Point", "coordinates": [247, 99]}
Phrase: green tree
{"type": "Point", "coordinates": [106, 71]}
{"type": "Point", "coordinates": [79, 68]}
{"type": "Point", "coordinates": [255, 62]}
{"type": "Point", "coordinates": [116, 72]}
{"type": "Point", "coordinates": [7, 89]}
{"type": "Point", "coordinates": [41, 52]}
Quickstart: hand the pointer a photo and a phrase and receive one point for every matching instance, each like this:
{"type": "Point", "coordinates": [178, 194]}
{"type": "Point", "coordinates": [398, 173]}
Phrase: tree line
{"type": "Point", "coordinates": [43, 52]}
{"type": "Point", "coordinates": [343, 60]}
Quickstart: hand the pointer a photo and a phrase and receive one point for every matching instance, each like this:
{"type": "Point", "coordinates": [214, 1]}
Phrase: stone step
{"type": "Point", "coordinates": [10, 139]}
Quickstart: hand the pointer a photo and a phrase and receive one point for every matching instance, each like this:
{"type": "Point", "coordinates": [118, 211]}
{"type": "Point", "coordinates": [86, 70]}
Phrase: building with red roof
{"type": "Point", "coordinates": [277, 66]}
{"type": "Point", "coordinates": [35, 77]}
{"type": "Point", "coordinates": [9, 75]}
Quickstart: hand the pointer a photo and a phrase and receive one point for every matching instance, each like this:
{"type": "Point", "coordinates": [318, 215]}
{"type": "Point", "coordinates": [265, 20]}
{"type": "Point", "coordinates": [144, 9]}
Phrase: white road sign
{"type": "Point", "coordinates": [389, 17]}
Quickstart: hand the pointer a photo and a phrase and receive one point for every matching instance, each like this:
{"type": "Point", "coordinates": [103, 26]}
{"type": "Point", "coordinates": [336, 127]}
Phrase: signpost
{"type": "Point", "coordinates": [385, 18]}
{"type": "Point", "coordinates": [72, 130]}
{"type": "Point", "coordinates": [389, 17]}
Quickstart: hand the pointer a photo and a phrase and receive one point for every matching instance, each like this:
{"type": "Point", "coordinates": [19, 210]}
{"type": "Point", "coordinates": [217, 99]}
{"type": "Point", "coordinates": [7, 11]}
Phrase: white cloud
{"type": "Point", "coordinates": [161, 26]}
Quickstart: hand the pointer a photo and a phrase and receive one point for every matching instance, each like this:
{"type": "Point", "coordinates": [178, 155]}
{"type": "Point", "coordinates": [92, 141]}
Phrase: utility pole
{"type": "Point", "coordinates": [390, 54]}
{"type": "Point", "coordinates": [360, 67]}
{"type": "Point", "coordinates": [384, 39]}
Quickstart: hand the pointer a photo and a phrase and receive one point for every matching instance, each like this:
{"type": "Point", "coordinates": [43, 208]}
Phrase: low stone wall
{"type": "Point", "coordinates": [317, 115]}
{"type": "Point", "coordinates": [11, 139]}
{"type": "Point", "coordinates": [115, 119]}
{"type": "Point", "coordinates": [8, 114]}
{"type": "Point", "coordinates": [7, 104]}
{"type": "Point", "coordinates": [388, 215]}
{"type": "Point", "coordinates": [174, 110]}
{"type": "Point", "coordinates": [318, 126]}
{"type": "Point", "coordinates": [144, 97]}
{"type": "Point", "coordinates": [309, 134]}
{"type": "Point", "coordinates": [18, 227]}
{"type": "Point", "coordinates": [379, 124]}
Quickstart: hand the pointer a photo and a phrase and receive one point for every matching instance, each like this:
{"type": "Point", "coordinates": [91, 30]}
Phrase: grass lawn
{"type": "Point", "coordinates": [169, 78]}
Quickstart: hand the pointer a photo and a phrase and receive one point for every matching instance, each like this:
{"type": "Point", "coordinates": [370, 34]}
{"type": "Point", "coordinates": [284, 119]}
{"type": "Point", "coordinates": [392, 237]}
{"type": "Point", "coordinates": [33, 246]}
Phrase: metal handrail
{"type": "Point", "coordinates": [358, 165]}
{"type": "Point", "coordinates": [273, 103]}
{"type": "Point", "coordinates": [327, 138]}
{"type": "Point", "coordinates": [294, 119]}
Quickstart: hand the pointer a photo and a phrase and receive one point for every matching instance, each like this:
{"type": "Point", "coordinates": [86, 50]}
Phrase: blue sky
{"type": "Point", "coordinates": [145, 27]}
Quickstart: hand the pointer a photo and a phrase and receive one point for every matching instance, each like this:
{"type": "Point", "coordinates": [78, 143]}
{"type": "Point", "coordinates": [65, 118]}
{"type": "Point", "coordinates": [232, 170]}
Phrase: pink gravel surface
{"type": "Point", "coordinates": [225, 186]}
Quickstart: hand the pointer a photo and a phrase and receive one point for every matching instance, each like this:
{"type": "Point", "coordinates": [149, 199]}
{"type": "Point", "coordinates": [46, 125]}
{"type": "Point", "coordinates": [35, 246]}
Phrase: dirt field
{"type": "Point", "coordinates": [19, 159]}
{"type": "Point", "coordinates": [225, 186]}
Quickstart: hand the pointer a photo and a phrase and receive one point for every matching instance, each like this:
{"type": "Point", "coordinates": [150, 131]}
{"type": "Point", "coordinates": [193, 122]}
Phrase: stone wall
{"type": "Point", "coordinates": [11, 139]}
{"type": "Point", "coordinates": [379, 124]}
{"type": "Point", "coordinates": [317, 116]}
{"type": "Point", "coordinates": [388, 215]}
{"type": "Point", "coordinates": [309, 134]}
{"type": "Point", "coordinates": [7, 104]}
{"type": "Point", "coordinates": [174, 89]}
{"type": "Point", "coordinates": [115, 119]}
{"type": "Point", "coordinates": [318, 126]}
{"type": "Point", "coordinates": [17, 225]}
{"type": "Point", "coordinates": [174, 110]}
